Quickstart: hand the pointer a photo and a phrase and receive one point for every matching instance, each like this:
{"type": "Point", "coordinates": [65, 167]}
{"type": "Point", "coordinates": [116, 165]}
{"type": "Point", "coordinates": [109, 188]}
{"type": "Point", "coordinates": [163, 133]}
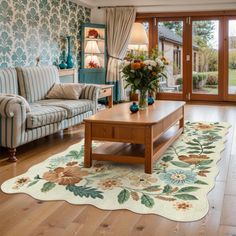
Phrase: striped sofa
{"type": "Point", "coordinates": [46, 116]}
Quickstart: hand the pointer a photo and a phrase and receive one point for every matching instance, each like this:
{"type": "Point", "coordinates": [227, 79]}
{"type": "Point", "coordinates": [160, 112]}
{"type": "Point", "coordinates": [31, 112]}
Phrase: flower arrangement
{"type": "Point", "coordinates": [92, 33]}
{"type": "Point", "coordinates": [93, 64]}
{"type": "Point", "coordinates": [144, 76]}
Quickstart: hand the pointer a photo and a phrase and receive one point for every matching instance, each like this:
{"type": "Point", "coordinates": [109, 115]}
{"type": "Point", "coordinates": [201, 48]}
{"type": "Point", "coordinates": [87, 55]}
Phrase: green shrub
{"type": "Point", "coordinates": [202, 76]}
{"type": "Point", "coordinates": [232, 60]}
{"type": "Point", "coordinates": [212, 79]}
{"type": "Point", "coordinates": [179, 81]}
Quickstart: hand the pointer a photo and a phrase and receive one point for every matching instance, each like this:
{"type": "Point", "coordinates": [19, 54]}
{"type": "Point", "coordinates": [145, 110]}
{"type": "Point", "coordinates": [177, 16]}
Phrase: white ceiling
{"type": "Point", "coordinates": [95, 3]}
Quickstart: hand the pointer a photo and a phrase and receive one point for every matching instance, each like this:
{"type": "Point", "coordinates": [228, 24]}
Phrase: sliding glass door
{"type": "Point", "coordinates": [231, 67]}
{"type": "Point", "coordinates": [201, 52]}
{"type": "Point", "coordinates": [170, 41]}
{"type": "Point", "coordinates": [170, 46]}
{"type": "Point", "coordinates": [205, 76]}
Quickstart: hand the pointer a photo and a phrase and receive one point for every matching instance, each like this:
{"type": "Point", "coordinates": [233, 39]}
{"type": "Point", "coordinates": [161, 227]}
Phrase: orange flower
{"type": "Point", "coordinates": [183, 206]}
{"type": "Point", "coordinates": [72, 163]}
{"type": "Point", "coordinates": [21, 182]}
{"type": "Point", "coordinates": [142, 64]}
{"type": "Point", "coordinates": [203, 173]}
{"type": "Point", "coordinates": [65, 176]}
{"type": "Point", "coordinates": [193, 159]}
{"type": "Point", "coordinates": [109, 184]}
{"type": "Point", "coordinates": [203, 127]}
{"type": "Point", "coordinates": [164, 60]}
{"type": "Point", "coordinates": [135, 66]}
{"type": "Point", "coordinates": [99, 167]}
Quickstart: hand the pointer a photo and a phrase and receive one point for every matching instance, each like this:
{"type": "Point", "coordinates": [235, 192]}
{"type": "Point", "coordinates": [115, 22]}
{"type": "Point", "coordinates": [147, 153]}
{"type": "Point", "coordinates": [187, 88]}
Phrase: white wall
{"type": "Point", "coordinates": [98, 16]}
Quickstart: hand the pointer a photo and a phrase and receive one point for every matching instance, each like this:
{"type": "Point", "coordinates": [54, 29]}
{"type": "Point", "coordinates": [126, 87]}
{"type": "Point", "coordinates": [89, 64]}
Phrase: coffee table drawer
{"type": "Point", "coordinates": [118, 133]}
{"type": "Point", "coordinates": [129, 134]}
{"type": "Point", "coordinates": [102, 131]}
{"type": "Point", "coordinates": [167, 122]}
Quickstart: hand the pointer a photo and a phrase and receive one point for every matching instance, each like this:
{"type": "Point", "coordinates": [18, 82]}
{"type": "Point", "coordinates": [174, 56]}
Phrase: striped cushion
{"type": "Point", "coordinates": [90, 92]}
{"type": "Point", "coordinates": [73, 107]}
{"type": "Point", "coordinates": [35, 82]}
{"type": "Point", "coordinates": [33, 134]}
{"type": "Point", "coordinates": [44, 115]}
{"type": "Point", "coordinates": [8, 81]}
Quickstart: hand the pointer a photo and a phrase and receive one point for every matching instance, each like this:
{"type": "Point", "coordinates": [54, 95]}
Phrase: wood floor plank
{"type": "Point", "coordinates": [32, 220]}
{"type": "Point", "coordinates": [88, 221]}
{"type": "Point", "coordinates": [22, 214]}
{"type": "Point", "coordinates": [229, 211]}
{"type": "Point", "coordinates": [231, 178]}
{"type": "Point", "coordinates": [227, 230]}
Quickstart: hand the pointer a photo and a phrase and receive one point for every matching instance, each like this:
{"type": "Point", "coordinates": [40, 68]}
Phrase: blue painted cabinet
{"type": "Point", "coordinates": [93, 54]}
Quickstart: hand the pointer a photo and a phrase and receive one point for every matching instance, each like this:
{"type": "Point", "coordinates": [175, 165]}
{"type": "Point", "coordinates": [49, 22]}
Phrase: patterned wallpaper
{"type": "Point", "coordinates": [37, 28]}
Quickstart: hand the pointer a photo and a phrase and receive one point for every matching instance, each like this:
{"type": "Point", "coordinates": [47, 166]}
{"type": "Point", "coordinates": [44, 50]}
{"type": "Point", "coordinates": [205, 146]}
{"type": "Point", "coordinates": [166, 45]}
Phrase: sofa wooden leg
{"type": "Point", "coordinates": [12, 157]}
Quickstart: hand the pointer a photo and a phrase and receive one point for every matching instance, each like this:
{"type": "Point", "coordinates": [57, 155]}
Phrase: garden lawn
{"type": "Point", "coordinates": [232, 77]}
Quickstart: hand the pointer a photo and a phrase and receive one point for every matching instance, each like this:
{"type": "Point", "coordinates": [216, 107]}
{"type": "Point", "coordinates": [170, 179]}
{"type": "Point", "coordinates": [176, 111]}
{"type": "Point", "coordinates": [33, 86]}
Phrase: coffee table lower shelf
{"type": "Point", "coordinates": [134, 153]}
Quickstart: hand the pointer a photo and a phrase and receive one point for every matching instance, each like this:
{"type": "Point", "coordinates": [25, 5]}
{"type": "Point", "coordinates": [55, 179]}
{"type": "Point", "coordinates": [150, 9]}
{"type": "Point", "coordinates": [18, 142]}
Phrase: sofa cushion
{"type": "Point", "coordinates": [44, 115]}
{"type": "Point", "coordinates": [73, 107]}
{"type": "Point", "coordinates": [35, 82]}
{"type": "Point", "coordinates": [8, 81]}
{"type": "Point", "coordinates": [70, 91]}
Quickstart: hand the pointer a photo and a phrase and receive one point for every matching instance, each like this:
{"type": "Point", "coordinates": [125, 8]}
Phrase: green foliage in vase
{"type": "Point", "coordinates": [143, 75]}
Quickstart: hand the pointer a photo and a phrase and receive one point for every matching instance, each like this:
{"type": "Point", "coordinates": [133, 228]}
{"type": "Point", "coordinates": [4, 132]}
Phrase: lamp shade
{"type": "Point", "coordinates": [138, 35]}
{"type": "Point", "coordinates": [92, 47]}
{"type": "Point", "coordinates": [138, 47]}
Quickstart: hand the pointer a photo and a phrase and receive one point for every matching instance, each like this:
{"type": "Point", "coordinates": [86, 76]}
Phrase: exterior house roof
{"type": "Point", "coordinates": [170, 36]}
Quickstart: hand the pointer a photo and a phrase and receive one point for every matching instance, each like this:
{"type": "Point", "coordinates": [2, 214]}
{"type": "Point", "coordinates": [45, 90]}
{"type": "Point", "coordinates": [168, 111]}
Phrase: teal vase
{"type": "Point", "coordinates": [150, 100]}
{"type": "Point", "coordinates": [134, 107]}
{"type": "Point", "coordinates": [63, 65]}
{"type": "Point", "coordinates": [69, 61]}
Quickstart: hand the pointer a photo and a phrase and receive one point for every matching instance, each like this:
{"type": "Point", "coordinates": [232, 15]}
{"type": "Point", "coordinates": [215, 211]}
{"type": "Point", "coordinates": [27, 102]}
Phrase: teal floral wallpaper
{"type": "Point", "coordinates": [37, 28]}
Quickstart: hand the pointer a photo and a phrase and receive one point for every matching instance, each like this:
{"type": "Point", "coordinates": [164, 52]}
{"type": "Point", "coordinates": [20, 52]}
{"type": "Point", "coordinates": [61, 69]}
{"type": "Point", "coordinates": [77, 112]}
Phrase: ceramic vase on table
{"type": "Point", "coordinates": [134, 107]}
{"type": "Point", "coordinates": [150, 100]}
{"type": "Point", "coordinates": [143, 99]}
{"type": "Point", "coordinates": [69, 61]}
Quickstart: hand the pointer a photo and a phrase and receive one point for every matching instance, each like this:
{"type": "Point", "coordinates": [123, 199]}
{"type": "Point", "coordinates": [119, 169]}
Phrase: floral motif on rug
{"type": "Point", "coordinates": [177, 189]}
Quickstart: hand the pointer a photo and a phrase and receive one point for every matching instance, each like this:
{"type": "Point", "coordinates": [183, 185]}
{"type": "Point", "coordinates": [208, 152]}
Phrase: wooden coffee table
{"type": "Point", "coordinates": [139, 138]}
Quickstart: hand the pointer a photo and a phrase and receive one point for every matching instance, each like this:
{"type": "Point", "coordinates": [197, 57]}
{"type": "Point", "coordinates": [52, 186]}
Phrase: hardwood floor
{"type": "Point", "coordinates": [22, 215]}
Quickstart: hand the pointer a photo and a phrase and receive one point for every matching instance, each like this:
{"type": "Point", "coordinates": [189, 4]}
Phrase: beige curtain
{"type": "Point", "coordinates": [119, 23]}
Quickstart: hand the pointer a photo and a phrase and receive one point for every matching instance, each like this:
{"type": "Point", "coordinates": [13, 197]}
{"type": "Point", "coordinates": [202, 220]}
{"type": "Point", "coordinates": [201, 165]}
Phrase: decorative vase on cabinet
{"type": "Point", "coordinates": [69, 62]}
{"type": "Point", "coordinates": [93, 54]}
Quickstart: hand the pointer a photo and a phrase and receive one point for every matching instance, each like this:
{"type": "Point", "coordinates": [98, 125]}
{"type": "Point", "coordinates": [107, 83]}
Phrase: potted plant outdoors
{"type": "Point", "coordinates": [143, 76]}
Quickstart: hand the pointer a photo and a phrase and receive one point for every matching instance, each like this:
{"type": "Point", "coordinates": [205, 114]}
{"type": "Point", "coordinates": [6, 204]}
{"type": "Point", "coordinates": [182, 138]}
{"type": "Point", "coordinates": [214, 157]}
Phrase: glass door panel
{"type": "Point", "coordinates": [232, 57]}
{"type": "Point", "coordinates": [205, 54]}
{"type": "Point", "coordinates": [170, 46]}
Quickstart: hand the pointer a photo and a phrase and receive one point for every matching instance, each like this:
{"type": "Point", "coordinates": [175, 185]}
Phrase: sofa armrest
{"type": "Point", "coordinates": [9, 105]}
{"type": "Point", "coordinates": [91, 92]}
{"type": "Point", "coordinates": [12, 121]}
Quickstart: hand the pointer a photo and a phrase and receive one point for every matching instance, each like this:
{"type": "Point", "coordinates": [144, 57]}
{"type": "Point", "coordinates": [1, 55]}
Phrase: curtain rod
{"type": "Point", "coordinates": [170, 5]}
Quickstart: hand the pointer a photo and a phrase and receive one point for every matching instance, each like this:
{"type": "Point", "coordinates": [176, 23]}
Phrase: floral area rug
{"type": "Point", "coordinates": [177, 189]}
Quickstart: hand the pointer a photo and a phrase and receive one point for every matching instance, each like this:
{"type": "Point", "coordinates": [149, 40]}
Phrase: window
{"type": "Point", "coordinates": [176, 61]}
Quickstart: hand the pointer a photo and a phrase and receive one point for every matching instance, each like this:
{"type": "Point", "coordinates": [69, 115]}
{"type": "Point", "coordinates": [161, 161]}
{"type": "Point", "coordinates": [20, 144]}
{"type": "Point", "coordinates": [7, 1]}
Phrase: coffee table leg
{"type": "Point", "coordinates": [181, 122]}
{"type": "Point", "coordinates": [87, 146]}
{"type": "Point", "coordinates": [148, 151]}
